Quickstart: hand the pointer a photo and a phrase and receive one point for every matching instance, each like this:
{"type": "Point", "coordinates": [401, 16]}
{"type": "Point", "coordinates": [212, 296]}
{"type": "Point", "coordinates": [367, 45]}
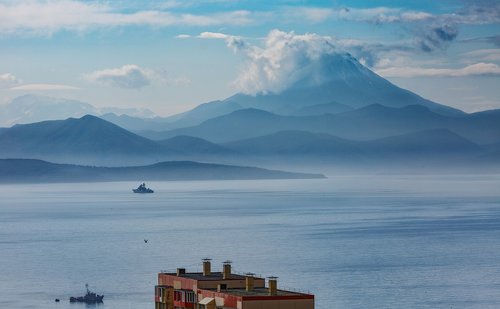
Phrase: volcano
{"type": "Point", "coordinates": [344, 81]}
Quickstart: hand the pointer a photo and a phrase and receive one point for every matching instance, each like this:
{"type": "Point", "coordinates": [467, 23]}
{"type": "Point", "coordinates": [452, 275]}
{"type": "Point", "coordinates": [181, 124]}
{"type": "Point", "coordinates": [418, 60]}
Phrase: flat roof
{"type": "Point", "coordinates": [214, 276]}
{"type": "Point", "coordinates": [259, 292]}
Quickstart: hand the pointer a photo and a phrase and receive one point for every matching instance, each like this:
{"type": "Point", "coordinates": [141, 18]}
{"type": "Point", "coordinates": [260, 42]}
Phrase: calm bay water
{"type": "Point", "coordinates": [353, 241]}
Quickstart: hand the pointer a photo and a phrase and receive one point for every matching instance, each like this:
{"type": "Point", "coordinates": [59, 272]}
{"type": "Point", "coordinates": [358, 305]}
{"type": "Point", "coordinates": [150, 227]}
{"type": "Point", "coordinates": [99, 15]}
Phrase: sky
{"type": "Point", "coordinates": [169, 56]}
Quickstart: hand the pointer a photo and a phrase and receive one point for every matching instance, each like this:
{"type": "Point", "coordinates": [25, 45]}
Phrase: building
{"type": "Point", "coordinates": [224, 290]}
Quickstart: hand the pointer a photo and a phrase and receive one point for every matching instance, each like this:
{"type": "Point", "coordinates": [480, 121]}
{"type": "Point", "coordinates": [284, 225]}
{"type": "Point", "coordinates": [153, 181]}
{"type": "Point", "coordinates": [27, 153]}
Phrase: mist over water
{"type": "Point", "coordinates": [355, 241]}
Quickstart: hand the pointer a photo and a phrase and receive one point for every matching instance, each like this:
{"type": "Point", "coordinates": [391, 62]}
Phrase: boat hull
{"type": "Point", "coordinates": [142, 191]}
{"type": "Point", "coordinates": [82, 299]}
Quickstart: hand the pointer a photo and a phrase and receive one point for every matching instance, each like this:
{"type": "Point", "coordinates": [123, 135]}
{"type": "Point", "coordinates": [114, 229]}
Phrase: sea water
{"type": "Point", "coordinates": [355, 241]}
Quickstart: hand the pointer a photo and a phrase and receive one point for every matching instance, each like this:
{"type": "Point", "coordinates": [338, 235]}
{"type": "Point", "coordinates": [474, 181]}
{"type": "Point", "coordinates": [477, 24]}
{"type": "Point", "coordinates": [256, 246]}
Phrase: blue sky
{"type": "Point", "coordinates": [169, 56]}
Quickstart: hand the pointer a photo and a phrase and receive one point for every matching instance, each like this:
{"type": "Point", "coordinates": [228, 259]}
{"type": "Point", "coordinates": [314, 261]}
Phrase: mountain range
{"type": "Point", "coordinates": [94, 141]}
{"type": "Point", "coordinates": [370, 122]}
{"type": "Point", "coordinates": [355, 117]}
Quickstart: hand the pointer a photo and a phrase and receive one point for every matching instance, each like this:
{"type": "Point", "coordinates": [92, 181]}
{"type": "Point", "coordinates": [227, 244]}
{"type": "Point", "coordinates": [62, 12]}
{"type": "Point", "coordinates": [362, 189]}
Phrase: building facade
{"type": "Point", "coordinates": [224, 290]}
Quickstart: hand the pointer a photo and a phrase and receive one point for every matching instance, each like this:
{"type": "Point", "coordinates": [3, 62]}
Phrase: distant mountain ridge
{"type": "Point", "coordinates": [439, 142]}
{"type": "Point", "coordinates": [366, 123]}
{"type": "Point", "coordinates": [194, 145]}
{"type": "Point", "coordinates": [431, 142]}
{"type": "Point", "coordinates": [22, 170]}
{"type": "Point", "coordinates": [321, 109]}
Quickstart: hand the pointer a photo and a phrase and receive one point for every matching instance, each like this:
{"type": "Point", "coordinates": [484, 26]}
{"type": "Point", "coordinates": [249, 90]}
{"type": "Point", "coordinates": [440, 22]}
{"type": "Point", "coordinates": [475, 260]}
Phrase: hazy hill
{"type": "Point", "coordinates": [366, 123]}
{"type": "Point", "coordinates": [203, 112]}
{"type": "Point", "coordinates": [306, 146]}
{"type": "Point", "coordinates": [297, 143]}
{"type": "Point", "coordinates": [195, 146]}
{"type": "Point", "coordinates": [91, 140]}
{"type": "Point", "coordinates": [87, 139]}
{"type": "Point", "coordinates": [488, 158]}
{"type": "Point", "coordinates": [479, 127]}
{"type": "Point", "coordinates": [132, 123]}
{"type": "Point", "coordinates": [18, 170]}
{"type": "Point", "coordinates": [236, 125]}
{"type": "Point", "coordinates": [320, 109]}
{"type": "Point", "coordinates": [428, 142]}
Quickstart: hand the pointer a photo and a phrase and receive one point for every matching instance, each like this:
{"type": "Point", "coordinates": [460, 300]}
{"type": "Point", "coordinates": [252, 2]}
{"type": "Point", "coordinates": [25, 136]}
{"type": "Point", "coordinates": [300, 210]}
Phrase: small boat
{"type": "Point", "coordinates": [142, 189]}
{"type": "Point", "coordinates": [89, 298]}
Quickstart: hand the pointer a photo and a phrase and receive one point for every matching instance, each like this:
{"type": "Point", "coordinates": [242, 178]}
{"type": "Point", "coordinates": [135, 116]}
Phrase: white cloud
{"type": "Point", "coordinates": [47, 17]}
{"type": "Point", "coordinates": [285, 59]}
{"type": "Point", "coordinates": [376, 15]}
{"type": "Point", "coordinates": [415, 16]}
{"type": "Point", "coordinates": [484, 55]}
{"type": "Point", "coordinates": [8, 79]}
{"type": "Point", "coordinates": [312, 14]}
{"type": "Point", "coordinates": [132, 76]}
{"type": "Point", "coordinates": [173, 4]}
{"type": "Point", "coordinates": [372, 15]}
{"type": "Point", "coordinates": [43, 87]}
{"type": "Point", "coordinates": [472, 13]}
{"type": "Point", "coordinates": [234, 42]}
{"type": "Point", "coordinates": [213, 35]}
{"type": "Point", "coordinates": [477, 12]}
{"type": "Point", "coordinates": [183, 36]}
{"type": "Point", "coordinates": [44, 17]}
{"type": "Point", "coordinates": [478, 69]}
{"type": "Point", "coordinates": [11, 82]}
{"type": "Point", "coordinates": [128, 76]}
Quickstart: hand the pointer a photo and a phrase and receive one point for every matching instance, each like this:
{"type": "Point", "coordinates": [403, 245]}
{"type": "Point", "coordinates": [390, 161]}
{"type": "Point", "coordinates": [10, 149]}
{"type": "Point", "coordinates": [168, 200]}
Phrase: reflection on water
{"type": "Point", "coordinates": [353, 241]}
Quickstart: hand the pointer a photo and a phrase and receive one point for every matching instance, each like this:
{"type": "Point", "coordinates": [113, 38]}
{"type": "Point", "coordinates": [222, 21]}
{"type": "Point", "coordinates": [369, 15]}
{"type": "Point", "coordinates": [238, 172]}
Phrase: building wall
{"type": "Point", "coordinates": [279, 304]}
{"type": "Point", "coordinates": [177, 282]}
{"type": "Point", "coordinates": [164, 297]}
{"type": "Point", "coordinates": [259, 302]}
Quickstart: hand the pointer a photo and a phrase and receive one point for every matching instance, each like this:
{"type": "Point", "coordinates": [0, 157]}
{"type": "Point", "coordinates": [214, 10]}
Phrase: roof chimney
{"type": "Point", "coordinates": [207, 267]}
{"type": "Point", "coordinates": [273, 286]}
{"type": "Point", "coordinates": [181, 271]}
{"type": "Point", "coordinates": [226, 270]}
{"type": "Point", "coordinates": [249, 282]}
